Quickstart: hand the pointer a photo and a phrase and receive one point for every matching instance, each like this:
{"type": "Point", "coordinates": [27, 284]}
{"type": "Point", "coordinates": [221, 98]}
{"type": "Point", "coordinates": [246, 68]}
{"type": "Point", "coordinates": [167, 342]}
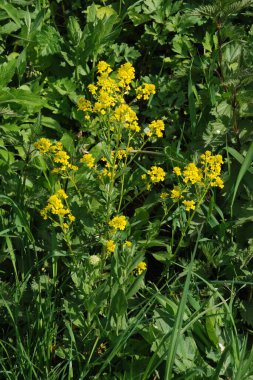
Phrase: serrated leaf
{"type": "Point", "coordinates": [7, 70]}
{"type": "Point", "coordinates": [49, 41]}
{"type": "Point", "coordinates": [74, 30]}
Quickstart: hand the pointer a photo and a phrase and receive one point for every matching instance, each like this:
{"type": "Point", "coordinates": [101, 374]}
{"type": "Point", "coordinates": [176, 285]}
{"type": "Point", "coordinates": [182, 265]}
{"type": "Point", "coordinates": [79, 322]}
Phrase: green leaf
{"type": "Point", "coordinates": [68, 143]}
{"type": "Point", "coordinates": [49, 41]}
{"type": "Point", "coordinates": [245, 166]}
{"type": "Point", "coordinates": [7, 70]}
{"type": "Point", "coordinates": [12, 13]}
{"type": "Point", "coordinates": [74, 30]}
{"type": "Point", "coordinates": [21, 97]}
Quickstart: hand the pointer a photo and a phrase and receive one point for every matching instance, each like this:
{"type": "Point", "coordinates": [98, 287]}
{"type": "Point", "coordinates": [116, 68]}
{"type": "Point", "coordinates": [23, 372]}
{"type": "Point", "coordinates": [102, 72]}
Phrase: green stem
{"type": "Point", "coordinates": [189, 222]}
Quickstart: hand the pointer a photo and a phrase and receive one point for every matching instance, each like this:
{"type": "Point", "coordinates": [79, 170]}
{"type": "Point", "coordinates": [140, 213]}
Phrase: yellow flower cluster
{"type": "Point", "coordinates": [176, 193]}
{"type": "Point", "coordinates": [104, 68]}
{"type": "Point", "coordinates": [212, 168]}
{"type": "Point", "coordinates": [43, 145]}
{"type": "Point", "coordinates": [189, 205]}
{"type": "Point", "coordinates": [84, 105]}
{"type": "Point", "coordinates": [126, 115]}
{"type": "Point", "coordinates": [145, 91]}
{"type": "Point", "coordinates": [57, 154]}
{"type": "Point", "coordinates": [108, 93]}
{"type": "Point", "coordinates": [55, 206]}
{"type": "Point", "coordinates": [177, 170]}
{"type": "Point", "coordinates": [164, 195]}
{"type": "Point", "coordinates": [141, 267]}
{"type": "Point", "coordinates": [156, 127]}
{"type": "Point", "coordinates": [110, 246]}
{"type": "Point", "coordinates": [89, 160]}
{"type": "Point", "coordinates": [118, 222]}
{"type": "Point", "coordinates": [208, 174]}
{"type": "Point", "coordinates": [125, 75]}
{"type": "Point", "coordinates": [192, 174]}
{"type": "Point", "coordinates": [156, 174]}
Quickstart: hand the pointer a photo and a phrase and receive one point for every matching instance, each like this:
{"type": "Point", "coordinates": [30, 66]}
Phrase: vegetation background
{"type": "Point", "coordinates": [68, 309]}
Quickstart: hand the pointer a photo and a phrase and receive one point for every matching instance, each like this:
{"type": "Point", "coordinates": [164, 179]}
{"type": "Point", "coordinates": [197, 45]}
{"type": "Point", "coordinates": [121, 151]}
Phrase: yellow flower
{"type": "Point", "coordinates": [71, 218]}
{"type": "Point", "coordinates": [121, 153]}
{"type": "Point", "coordinates": [164, 195]}
{"type": "Point", "coordinates": [118, 222]}
{"type": "Point", "coordinates": [125, 74]}
{"type": "Point", "coordinates": [43, 145]}
{"type": "Point", "coordinates": [177, 170]}
{"type": "Point", "coordinates": [189, 205]}
{"type": "Point", "coordinates": [141, 267]}
{"type": "Point", "coordinates": [127, 116]}
{"type": "Point", "coordinates": [56, 147]}
{"type": "Point", "coordinates": [92, 88]}
{"type": "Point", "coordinates": [62, 157]}
{"type": "Point", "coordinates": [212, 168]}
{"type": "Point", "coordinates": [84, 105]}
{"type": "Point", "coordinates": [192, 174]}
{"type": "Point", "coordinates": [128, 244]}
{"type": "Point", "coordinates": [104, 67]}
{"type": "Point", "coordinates": [176, 193]}
{"type": "Point", "coordinates": [145, 91]}
{"type": "Point", "coordinates": [55, 206]}
{"type": "Point", "coordinates": [155, 127]}
{"type": "Point", "coordinates": [110, 246]}
{"type": "Point", "coordinates": [156, 174]}
{"type": "Point", "coordinates": [217, 183]}
{"type": "Point", "coordinates": [89, 160]}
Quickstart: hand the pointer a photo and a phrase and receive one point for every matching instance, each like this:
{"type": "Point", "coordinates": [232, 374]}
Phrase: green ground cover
{"type": "Point", "coordinates": [126, 220]}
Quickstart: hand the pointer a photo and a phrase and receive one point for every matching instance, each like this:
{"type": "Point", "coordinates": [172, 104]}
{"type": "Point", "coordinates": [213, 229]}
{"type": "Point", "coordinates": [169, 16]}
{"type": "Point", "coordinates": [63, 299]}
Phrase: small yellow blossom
{"type": "Point", "coordinates": [55, 206]}
{"type": "Point", "coordinates": [212, 168]}
{"type": "Point", "coordinates": [125, 75]}
{"type": "Point", "coordinates": [217, 183]}
{"type": "Point", "coordinates": [118, 222]}
{"type": "Point", "coordinates": [110, 246]}
{"type": "Point", "coordinates": [128, 244]}
{"type": "Point", "coordinates": [103, 67]}
{"type": "Point", "coordinates": [92, 88]}
{"type": "Point", "coordinates": [121, 153]}
{"type": "Point", "coordinates": [189, 205]}
{"type": "Point", "coordinates": [43, 145]}
{"type": "Point", "coordinates": [141, 267]}
{"type": "Point", "coordinates": [56, 147]}
{"type": "Point", "coordinates": [84, 105]}
{"type": "Point", "coordinates": [89, 160]}
{"type": "Point", "coordinates": [126, 115]}
{"type": "Point", "coordinates": [164, 195]}
{"type": "Point", "coordinates": [145, 91]}
{"type": "Point", "coordinates": [176, 193]}
{"type": "Point", "coordinates": [155, 127]}
{"type": "Point", "coordinates": [192, 174]}
{"type": "Point", "coordinates": [177, 170]}
{"type": "Point", "coordinates": [156, 174]}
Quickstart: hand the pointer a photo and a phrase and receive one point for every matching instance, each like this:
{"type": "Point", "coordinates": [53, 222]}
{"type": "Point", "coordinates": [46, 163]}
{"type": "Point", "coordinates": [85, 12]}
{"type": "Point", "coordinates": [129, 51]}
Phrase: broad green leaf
{"type": "Point", "coordinates": [49, 41]}
{"type": "Point", "coordinates": [12, 12]}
